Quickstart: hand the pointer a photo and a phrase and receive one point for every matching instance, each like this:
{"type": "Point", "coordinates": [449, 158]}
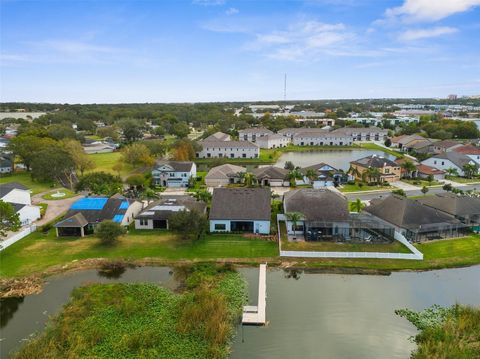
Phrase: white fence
{"type": "Point", "coordinates": [17, 236]}
{"type": "Point", "coordinates": [415, 255]}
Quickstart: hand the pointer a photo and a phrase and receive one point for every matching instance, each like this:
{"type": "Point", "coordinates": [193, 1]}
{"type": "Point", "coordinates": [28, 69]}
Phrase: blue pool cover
{"type": "Point", "coordinates": [124, 205]}
{"type": "Point", "coordinates": [95, 203]}
{"type": "Point", "coordinates": [117, 218]}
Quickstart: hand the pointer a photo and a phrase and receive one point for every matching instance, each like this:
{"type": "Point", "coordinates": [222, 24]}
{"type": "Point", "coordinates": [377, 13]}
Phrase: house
{"type": "Point", "coordinates": [464, 208]}
{"type": "Point", "coordinates": [98, 147]}
{"type": "Point", "coordinates": [449, 160]}
{"type": "Point", "coordinates": [85, 213]}
{"type": "Point", "coordinates": [326, 175]}
{"type": "Point", "coordinates": [224, 175]}
{"type": "Point", "coordinates": [218, 136]}
{"type": "Point", "coordinates": [240, 210]}
{"type": "Point", "coordinates": [228, 149]}
{"type": "Point", "coordinates": [173, 173]}
{"type": "Point", "coordinates": [469, 150]}
{"type": "Point", "coordinates": [19, 197]}
{"type": "Point", "coordinates": [252, 134]}
{"type": "Point", "coordinates": [444, 146]}
{"type": "Point", "coordinates": [424, 171]}
{"type": "Point", "coordinates": [401, 141]}
{"type": "Point", "coordinates": [157, 214]}
{"type": "Point", "coordinates": [420, 146]}
{"type": "Point", "coordinates": [414, 220]}
{"type": "Point", "coordinates": [389, 171]}
{"type": "Point", "coordinates": [325, 217]}
{"type": "Point", "coordinates": [6, 163]}
{"type": "Point", "coordinates": [271, 176]}
{"type": "Point", "coordinates": [272, 141]}
{"type": "Point", "coordinates": [362, 134]}
{"type": "Point", "coordinates": [321, 138]}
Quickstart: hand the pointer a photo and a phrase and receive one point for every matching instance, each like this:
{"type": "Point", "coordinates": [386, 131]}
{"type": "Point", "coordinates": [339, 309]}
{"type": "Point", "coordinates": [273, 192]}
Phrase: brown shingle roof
{"type": "Point", "coordinates": [241, 204]}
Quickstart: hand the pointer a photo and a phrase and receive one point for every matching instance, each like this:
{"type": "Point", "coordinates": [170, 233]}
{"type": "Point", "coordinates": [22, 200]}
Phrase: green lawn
{"type": "Point", "coordinates": [25, 179]}
{"type": "Point", "coordinates": [67, 194]}
{"type": "Point", "coordinates": [38, 251]}
{"type": "Point", "coordinates": [356, 188]}
{"type": "Point", "coordinates": [463, 179]}
{"type": "Point", "coordinates": [373, 146]}
{"type": "Point", "coordinates": [105, 161]}
{"type": "Point", "coordinates": [421, 183]}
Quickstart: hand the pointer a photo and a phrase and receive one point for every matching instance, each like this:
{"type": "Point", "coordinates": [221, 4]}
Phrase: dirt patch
{"type": "Point", "coordinates": [20, 287]}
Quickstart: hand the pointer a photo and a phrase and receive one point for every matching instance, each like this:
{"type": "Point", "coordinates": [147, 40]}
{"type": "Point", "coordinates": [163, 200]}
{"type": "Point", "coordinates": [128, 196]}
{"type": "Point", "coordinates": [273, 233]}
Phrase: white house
{"type": "Point", "coordinates": [273, 141]}
{"type": "Point", "coordinates": [447, 160]}
{"type": "Point", "coordinates": [362, 134]}
{"type": "Point", "coordinates": [252, 134]}
{"type": "Point", "coordinates": [19, 196]}
{"type": "Point", "coordinates": [173, 173]}
{"type": "Point", "coordinates": [228, 149]}
{"type": "Point", "coordinates": [321, 138]}
{"type": "Point", "coordinates": [471, 151]}
{"type": "Point", "coordinates": [241, 210]}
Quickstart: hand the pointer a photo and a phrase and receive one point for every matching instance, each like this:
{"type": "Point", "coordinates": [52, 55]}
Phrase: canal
{"type": "Point", "coordinates": [311, 315]}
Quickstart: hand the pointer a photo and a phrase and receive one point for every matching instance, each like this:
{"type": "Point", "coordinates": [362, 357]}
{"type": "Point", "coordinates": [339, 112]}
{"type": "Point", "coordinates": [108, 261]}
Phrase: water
{"type": "Point", "coordinates": [340, 159]}
{"type": "Point", "coordinates": [313, 316]}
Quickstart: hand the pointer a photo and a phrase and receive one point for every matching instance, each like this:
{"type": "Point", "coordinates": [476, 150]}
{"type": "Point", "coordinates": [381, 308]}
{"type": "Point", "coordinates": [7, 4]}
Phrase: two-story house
{"type": "Point", "coordinates": [389, 171]}
{"type": "Point", "coordinates": [252, 134]}
{"type": "Point", "coordinates": [173, 173]}
{"type": "Point", "coordinates": [228, 149]}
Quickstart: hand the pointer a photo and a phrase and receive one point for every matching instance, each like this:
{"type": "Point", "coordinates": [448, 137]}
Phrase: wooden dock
{"type": "Point", "coordinates": [255, 315]}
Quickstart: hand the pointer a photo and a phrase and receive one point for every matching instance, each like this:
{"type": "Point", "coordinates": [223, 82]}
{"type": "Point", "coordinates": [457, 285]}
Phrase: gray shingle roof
{"type": "Point", "coordinates": [255, 130]}
{"type": "Point", "coordinates": [375, 161]}
{"type": "Point", "coordinates": [317, 204]}
{"type": "Point", "coordinates": [6, 188]}
{"type": "Point", "coordinates": [241, 204]}
{"type": "Point", "coordinates": [458, 159]}
{"type": "Point", "coordinates": [77, 220]}
{"type": "Point", "coordinates": [407, 213]}
{"type": "Point", "coordinates": [217, 136]}
{"type": "Point", "coordinates": [227, 144]}
{"type": "Point", "coordinates": [178, 166]}
{"type": "Point", "coordinates": [453, 204]}
{"type": "Point", "coordinates": [224, 171]}
{"type": "Point", "coordinates": [271, 172]}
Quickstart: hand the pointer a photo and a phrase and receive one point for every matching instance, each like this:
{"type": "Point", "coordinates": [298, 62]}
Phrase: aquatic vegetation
{"type": "Point", "coordinates": [146, 321]}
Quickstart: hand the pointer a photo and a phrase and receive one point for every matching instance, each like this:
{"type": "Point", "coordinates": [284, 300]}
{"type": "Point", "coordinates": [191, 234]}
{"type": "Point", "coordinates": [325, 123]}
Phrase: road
{"type": "Point", "coordinates": [371, 195]}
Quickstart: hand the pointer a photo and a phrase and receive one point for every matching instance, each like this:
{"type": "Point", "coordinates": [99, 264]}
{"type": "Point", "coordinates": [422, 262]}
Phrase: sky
{"type": "Point", "coordinates": [224, 50]}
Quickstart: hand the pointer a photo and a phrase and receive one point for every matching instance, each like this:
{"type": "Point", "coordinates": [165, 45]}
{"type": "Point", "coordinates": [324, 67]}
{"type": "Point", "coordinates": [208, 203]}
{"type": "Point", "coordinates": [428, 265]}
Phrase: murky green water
{"type": "Point", "coordinates": [310, 315]}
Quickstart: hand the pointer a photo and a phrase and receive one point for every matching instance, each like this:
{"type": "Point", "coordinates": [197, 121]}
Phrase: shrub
{"type": "Point", "coordinates": [109, 231]}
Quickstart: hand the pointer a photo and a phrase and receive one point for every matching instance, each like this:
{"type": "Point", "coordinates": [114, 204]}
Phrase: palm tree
{"type": "Point", "coordinates": [452, 171]}
{"type": "Point", "coordinates": [149, 195]}
{"type": "Point", "coordinates": [373, 174]}
{"type": "Point", "coordinates": [408, 168]}
{"type": "Point", "coordinates": [294, 175]}
{"type": "Point", "coordinates": [249, 179]}
{"type": "Point", "coordinates": [470, 170]}
{"type": "Point", "coordinates": [294, 217]}
{"type": "Point", "coordinates": [203, 195]}
{"type": "Point", "coordinates": [311, 174]}
{"type": "Point", "coordinates": [353, 171]}
{"type": "Point", "coordinates": [357, 206]}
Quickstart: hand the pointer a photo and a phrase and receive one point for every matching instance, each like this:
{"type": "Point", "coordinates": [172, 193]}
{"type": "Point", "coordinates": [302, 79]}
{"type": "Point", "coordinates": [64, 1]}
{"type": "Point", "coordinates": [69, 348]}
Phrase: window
{"type": "Point", "coordinates": [220, 226]}
{"type": "Point", "coordinates": [144, 222]}
{"type": "Point", "coordinates": [232, 155]}
{"type": "Point", "coordinates": [209, 155]}
{"type": "Point", "coordinates": [443, 163]}
{"type": "Point", "coordinates": [387, 170]}
{"type": "Point", "coordinates": [244, 155]}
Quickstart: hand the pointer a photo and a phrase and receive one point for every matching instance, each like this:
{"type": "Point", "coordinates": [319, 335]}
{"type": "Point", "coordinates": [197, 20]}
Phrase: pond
{"type": "Point", "coordinates": [311, 315]}
{"type": "Point", "coordinates": [339, 159]}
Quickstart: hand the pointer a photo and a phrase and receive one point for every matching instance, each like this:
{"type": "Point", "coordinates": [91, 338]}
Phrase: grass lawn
{"type": "Point", "coordinates": [356, 188]}
{"type": "Point", "coordinates": [421, 183]}
{"type": "Point", "coordinates": [105, 161]}
{"type": "Point", "coordinates": [67, 194]}
{"type": "Point", "coordinates": [373, 146]}
{"type": "Point", "coordinates": [25, 179]}
{"type": "Point", "coordinates": [463, 179]}
{"type": "Point", "coordinates": [395, 247]}
{"type": "Point", "coordinates": [38, 251]}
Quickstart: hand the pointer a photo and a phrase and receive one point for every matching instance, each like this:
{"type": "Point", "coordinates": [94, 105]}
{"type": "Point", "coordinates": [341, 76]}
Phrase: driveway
{"type": "Point", "coordinates": [174, 191]}
{"type": "Point", "coordinates": [405, 186]}
{"type": "Point", "coordinates": [55, 208]}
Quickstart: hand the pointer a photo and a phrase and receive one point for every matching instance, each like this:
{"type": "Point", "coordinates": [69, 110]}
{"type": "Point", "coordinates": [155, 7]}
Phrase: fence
{"type": "Point", "coordinates": [17, 236]}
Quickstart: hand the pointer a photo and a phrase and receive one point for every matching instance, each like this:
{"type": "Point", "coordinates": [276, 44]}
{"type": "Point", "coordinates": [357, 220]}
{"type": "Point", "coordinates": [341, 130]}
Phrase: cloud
{"type": "Point", "coordinates": [232, 11]}
{"type": "Point", "coordinates": [208, 2]}
{"type": "Point", "coordinates": [417, 34]}
{"type": "Point", "coordinates": [429, 10]}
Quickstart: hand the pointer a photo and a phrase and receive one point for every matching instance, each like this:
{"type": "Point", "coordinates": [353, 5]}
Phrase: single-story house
{"type": "Point", "coordinates": [469, 150]}
{"type": "Point", "coordinates": [224, 175]}
{"type": "Point", "coordinates": [464, 208]}
{"type": "Point", "coordinates": [157, 214]}
{"type": "Point", "coordinates": [325, 216]}
{"type": "Point", "coordinates": [444, 146]}
{"type": "Point", "coordinates": [19, 197]}
{"type": "Point", "coordinates": [241, 210]}
{"type": "Point", "coordinates": [98, 147]}
{"type": "Point", "coordinates": [85, 213]}
{"type": "Point", "coordinates": [228, 149]}
{"type": "Point", "coordinates": [252, 134]}
{"type": "Point", "coordinates": [271, 176]}
{"type": "Point", "coordinates": [417, 222]}
{"type": "Point", "coordinates": [326, 175]}
{"type": "Point", "coordinates": [389, 170]}
{"type": "Point", "coordinates": [423, 171]}
{"type": "Point", "coordinates": [173, 173]}
{"type": "Point", "coordinates": [446, 160]}
{"type": "Point", "coordinates": [406, 140]}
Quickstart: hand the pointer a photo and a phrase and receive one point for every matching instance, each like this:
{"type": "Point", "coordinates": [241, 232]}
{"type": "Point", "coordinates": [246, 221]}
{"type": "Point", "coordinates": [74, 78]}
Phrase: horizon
{"type": "Point", "coordinates": [205, 51]}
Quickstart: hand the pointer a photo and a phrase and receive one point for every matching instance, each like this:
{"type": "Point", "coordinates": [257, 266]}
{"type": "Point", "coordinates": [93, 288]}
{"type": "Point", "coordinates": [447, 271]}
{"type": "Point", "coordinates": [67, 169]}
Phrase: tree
{"type": "Point", "coordinates": [357, 206]}
{"type": "Point", "coordinates": [180, 130]}
{"type": "Point", "coordinates": [108, 131]}
{"type": "Point", "coordinates": [289, 166]}
{"type": "Point", "coordinates": [100, 183]}
{"type": "Point", "coordinates": [293, 175]}
{"type": "Point", "coordinates": [203, 195]}
{"type": "Point", "coordinates": [354, 172]}
{"type": "Point", "coordinates": [137, 154]}
{"type": "Point", "coordinates": [26, 147]}
{"type": "Point", "coordinates": [131, 130]}
{"type": "Point", "coordinates": [452, 171]}
{"type": "Point", "coordinates": [388, 142]}
{"type": "Point", "coordinates": [9, 219]}
{"type": "Point", "coordinates": [183, 150]}
{"type": "Point", "coordinates": [430, 179]}
{"type": "Point", "coordinates": [148, 195]}
{"type": "Point", "coordinates": [373, 174]}
{"type": "Point", "coordinates": [156, 147]}
{"type": "Point", "coordinates": [136, 180]}
{"type": "Point", "coordinates": [61, 131]}
{"type": "Point", "coordinates": [470, 170]}
{"type": "Point", "coordinates": [249, 179]}
{"type": "Point", "coordinates": [408, 168]}
{"type": "Point", "coordinates": [53, 163]}
{"type": "Point", "coordinates": [190, 225]}
{"type": "Point", "coordinates": [109, 231]}
{"type": "Point", "coordinates": [311, 174]}
{"type": "Point", "coordinates": [294, 217]}
{"type": "Point", "coordinates": [82, 161]}
{"type": "Point", "coordinates": [86, 124]}
{"type": "Point", "coordinates": [424, 190]}
{"type": "Point", "coordinates": [447, 187]}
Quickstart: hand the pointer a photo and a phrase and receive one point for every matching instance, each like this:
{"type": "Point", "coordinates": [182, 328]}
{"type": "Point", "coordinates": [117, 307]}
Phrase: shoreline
{"type": "Point", "coordinates": [33, 283]}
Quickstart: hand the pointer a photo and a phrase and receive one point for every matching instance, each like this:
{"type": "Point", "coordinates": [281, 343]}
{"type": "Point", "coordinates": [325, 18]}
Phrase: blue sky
{"type": "Point", "coordinates": [225, 50]}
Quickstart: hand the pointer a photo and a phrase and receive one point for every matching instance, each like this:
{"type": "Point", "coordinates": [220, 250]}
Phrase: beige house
{"type": "Point", "coordinates": [223, 175]}
{"type": "Point", "coordinates": [388, 169]}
